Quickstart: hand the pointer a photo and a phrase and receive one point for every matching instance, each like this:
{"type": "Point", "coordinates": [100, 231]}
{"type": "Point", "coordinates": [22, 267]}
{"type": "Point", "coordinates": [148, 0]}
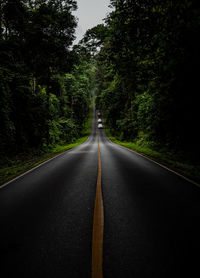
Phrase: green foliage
{"type": "Point", "coordinates": [147, 69]}
{"type": "Point", "coordinates": [45, 85]}
{"type": "Point", "coordinates": [94, 38]}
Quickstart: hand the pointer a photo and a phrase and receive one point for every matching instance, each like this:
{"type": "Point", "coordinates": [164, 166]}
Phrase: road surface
{"type": "Point", "coordinates": [150, 224]}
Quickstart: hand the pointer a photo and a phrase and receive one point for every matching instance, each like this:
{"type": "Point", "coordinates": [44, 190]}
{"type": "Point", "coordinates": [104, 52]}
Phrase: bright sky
{"type": "Point", "coordinates": [90, 13]}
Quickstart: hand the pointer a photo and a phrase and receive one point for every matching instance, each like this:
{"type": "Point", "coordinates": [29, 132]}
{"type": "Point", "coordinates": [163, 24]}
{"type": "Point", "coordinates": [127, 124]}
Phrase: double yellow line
{"type": "Point", "coordinates": [98, 226]}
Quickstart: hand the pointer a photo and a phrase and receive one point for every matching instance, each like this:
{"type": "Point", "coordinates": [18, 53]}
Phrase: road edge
{"type": "Point", "coordinates": [39, 165]}
{"type": "Point", "coordinates": [161, 165]}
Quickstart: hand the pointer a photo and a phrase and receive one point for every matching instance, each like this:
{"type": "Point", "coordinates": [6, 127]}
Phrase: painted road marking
{"type": "Point", "coordinates": [98, 226]}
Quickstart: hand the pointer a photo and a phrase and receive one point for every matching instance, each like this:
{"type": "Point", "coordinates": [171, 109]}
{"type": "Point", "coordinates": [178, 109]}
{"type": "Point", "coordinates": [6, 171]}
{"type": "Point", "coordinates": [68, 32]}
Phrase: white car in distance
{"type": "Point", "coordinates": [99, 121]}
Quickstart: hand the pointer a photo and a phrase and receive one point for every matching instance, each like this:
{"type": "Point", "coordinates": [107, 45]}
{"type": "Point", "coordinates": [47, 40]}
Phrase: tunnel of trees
{"type": "Point", "coordinates": [146, 77]}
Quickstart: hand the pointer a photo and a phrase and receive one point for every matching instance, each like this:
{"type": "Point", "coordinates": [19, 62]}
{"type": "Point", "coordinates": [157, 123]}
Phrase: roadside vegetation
{"type": "Point", "coordinates": [22, 162]}
{"type": "Point", "coordinates": [147, 64]}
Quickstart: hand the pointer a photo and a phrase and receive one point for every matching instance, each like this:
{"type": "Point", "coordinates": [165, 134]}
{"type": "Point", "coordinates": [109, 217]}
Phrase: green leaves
{"type": "Point", "coordinates": [151, 53]}
{"type": "Point", "coordinates": [39, 104]}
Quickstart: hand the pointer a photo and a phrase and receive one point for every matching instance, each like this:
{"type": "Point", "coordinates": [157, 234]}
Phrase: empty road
{"type": "Point", "coordinates": [150, 221]}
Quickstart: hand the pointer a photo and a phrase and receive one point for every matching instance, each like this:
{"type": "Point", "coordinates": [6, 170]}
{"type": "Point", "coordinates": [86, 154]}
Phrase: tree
{"type": "Point", "coordinates": [35, 40]}
{"type": "Point", "coordinates": [148, 65]}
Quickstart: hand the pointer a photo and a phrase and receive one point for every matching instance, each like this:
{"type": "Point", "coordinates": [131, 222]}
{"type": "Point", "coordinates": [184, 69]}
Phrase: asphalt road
{"type": "Point", "coordinates": [151, 217]}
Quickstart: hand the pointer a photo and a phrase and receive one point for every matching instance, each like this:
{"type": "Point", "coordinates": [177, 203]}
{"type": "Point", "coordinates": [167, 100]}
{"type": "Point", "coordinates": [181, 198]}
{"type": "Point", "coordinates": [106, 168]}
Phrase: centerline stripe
{"type": "Point", "coordinates": [98, 226]}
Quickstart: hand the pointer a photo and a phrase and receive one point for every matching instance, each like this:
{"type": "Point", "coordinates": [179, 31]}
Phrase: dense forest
{"type": "Point", "coordinates": [45, 87]}
{"type": "Point", "coordinates": [147, 72]}
{"type": "Point", "coordinates": [146, 60]}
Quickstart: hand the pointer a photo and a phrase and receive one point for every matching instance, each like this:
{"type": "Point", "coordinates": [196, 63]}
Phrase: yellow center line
{"type": "Point", "coordinates": [98, 225]}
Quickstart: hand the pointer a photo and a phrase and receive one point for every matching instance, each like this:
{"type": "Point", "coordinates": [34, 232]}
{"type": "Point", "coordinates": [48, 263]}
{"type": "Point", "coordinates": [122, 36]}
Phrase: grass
{"type": "Point", "coordinates": [24, 162]}
{"type": "Point", "coordinates": [167, 158]}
